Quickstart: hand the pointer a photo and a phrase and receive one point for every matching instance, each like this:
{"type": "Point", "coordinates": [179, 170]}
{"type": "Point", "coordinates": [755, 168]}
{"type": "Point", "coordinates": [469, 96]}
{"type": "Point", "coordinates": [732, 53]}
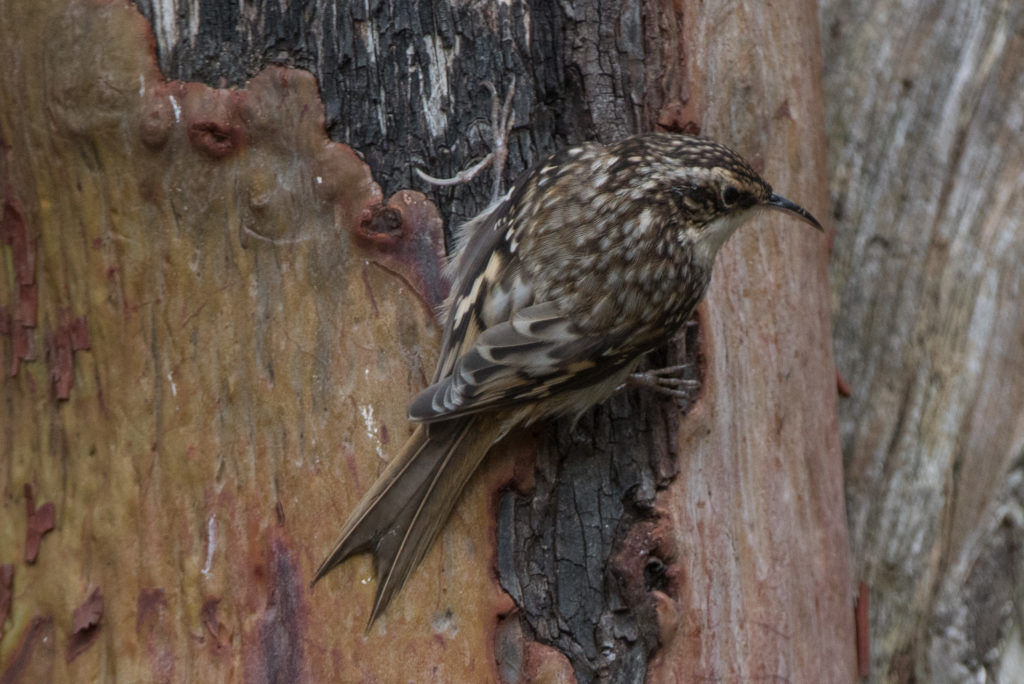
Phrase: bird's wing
{"type": "Point", "coordinates": [488, 284]}
{"type": "Point", "coordinates": [483, 260]}
{"type": "Point", "coordinates": [502, 344]}
{"type": "Point", "coordinates": [536, 353]}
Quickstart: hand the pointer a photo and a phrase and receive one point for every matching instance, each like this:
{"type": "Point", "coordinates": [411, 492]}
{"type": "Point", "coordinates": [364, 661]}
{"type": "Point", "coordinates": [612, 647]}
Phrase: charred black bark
{"type": "Point", "coordinates": [557, 544]}
{"type": "Point", "coordinates": [403, 81]}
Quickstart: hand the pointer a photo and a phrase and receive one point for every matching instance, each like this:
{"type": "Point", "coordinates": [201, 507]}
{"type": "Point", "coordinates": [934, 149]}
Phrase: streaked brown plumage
{"type": "Point", "coordinates": [594, 258]}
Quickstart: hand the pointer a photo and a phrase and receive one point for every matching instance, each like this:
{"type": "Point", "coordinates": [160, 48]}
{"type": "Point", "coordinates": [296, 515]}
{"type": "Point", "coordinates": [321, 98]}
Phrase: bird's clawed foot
{"type": "Point", "coordinates": [678, 382]}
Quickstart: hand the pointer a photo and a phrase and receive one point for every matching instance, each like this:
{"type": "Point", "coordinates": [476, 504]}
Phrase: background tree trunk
{"type": "Point", "coordinates": [926, 129]}
{"type": "Point", "coordinates": [214, 316]}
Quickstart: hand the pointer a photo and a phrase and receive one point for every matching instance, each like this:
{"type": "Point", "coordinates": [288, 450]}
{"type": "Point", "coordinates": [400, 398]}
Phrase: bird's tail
{"type": "Point", "coordinates": [405, 509]}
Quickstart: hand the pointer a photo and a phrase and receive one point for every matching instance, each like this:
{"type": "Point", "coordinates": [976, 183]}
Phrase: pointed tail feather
{"type": "Point", "coordinates": [376, 511]}
{"type": "Point", "coordinates": [405, 509]}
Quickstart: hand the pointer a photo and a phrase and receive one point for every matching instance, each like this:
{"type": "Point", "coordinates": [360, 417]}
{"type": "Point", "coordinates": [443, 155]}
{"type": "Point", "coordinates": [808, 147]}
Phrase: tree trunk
{"type": "Point", "coordinates": [926, 120]}
{"type": "Point", "coordinates": [218, 295]}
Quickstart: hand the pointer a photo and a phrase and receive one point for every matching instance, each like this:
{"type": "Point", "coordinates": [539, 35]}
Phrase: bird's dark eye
{"type": "Point", "coordinates": [730, 195]}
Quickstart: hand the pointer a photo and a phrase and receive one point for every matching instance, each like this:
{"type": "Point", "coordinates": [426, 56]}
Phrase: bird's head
{"type": "Point", "coordinates": [710, 187]}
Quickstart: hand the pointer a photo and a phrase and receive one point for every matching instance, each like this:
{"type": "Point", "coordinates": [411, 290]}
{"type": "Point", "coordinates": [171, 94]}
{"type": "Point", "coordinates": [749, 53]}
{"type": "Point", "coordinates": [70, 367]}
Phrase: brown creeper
{"type": "Point", "coordinates": [595, 257]}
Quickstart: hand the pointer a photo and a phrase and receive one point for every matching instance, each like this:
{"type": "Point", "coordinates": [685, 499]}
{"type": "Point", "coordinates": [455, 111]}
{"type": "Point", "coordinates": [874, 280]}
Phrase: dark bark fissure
{"type": "Point", "coordinates": [404, 83]}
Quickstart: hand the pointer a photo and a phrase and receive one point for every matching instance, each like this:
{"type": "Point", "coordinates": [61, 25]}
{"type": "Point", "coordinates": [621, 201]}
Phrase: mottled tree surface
{"type": "Point", "coordinates": [218, 280]}
{"type": "Point", "coordinates": [926, 129]}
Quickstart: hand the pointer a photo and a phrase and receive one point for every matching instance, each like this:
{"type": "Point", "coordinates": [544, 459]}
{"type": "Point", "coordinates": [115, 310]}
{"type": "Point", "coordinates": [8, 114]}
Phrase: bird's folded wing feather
{"type": "Point", "coordinates": [534, 354]}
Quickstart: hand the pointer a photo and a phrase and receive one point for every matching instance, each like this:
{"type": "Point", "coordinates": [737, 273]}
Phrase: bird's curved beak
{"type": "Point", "coordinates": [781, 203]}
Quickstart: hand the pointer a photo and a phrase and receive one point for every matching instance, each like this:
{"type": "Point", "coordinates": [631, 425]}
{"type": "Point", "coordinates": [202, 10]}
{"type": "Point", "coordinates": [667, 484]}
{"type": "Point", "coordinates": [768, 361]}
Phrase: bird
{"type": "Point", "coordinates": [595, 256]}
